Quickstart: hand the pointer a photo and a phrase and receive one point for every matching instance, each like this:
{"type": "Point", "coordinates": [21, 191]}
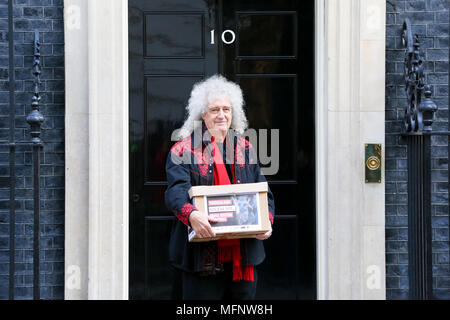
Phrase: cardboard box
{"type": "Point", "coordinates": [242, 209]}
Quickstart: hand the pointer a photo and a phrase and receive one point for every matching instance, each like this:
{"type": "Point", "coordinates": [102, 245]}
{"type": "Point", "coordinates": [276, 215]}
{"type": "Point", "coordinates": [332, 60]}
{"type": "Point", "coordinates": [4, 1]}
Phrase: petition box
{"type": "Point", "coordinates": [241, 210]}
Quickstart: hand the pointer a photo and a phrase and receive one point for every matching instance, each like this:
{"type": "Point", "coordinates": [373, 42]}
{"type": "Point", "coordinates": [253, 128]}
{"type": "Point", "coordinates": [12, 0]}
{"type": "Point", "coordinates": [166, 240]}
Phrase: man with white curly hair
{"type": "Point", "coordinates": [211, 151]}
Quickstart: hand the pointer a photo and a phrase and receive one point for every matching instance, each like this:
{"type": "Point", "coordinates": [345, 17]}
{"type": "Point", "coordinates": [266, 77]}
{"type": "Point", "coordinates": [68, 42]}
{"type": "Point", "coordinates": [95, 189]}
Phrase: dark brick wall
{"type": "Point", "coordinates": [47, 17]}
{"type": "Point", "coordinates": [430, 20]}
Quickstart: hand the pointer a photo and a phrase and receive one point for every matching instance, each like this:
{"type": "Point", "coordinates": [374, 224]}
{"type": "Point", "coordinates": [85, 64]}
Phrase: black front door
{"type": "Point", "coordinates": [266, 47]}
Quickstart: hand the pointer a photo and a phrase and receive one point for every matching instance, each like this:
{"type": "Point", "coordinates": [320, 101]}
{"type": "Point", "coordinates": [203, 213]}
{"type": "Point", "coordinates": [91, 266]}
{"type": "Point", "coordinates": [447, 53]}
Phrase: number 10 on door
{"type": "Point", "coordinates": [231, 32]}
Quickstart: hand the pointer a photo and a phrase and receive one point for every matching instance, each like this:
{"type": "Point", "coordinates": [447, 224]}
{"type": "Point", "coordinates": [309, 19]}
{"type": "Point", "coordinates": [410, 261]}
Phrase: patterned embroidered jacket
{"type": "Point", "coordinates": [189, 163]}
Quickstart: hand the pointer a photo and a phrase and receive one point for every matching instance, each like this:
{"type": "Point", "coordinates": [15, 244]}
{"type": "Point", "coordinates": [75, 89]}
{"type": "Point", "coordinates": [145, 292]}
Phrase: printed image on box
{"type": "Point", "coordinates": [239, 210]}
{"type": "Point", "coordinates": [232, 210]}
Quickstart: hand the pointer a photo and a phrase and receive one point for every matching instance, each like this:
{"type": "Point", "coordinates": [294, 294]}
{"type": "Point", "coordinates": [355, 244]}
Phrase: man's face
{"type": "Point", "coordinates": [218, 115]}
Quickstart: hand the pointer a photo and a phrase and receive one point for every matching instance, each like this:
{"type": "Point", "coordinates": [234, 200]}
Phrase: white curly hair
{"type": "Point", "coordinates": [205, 92]}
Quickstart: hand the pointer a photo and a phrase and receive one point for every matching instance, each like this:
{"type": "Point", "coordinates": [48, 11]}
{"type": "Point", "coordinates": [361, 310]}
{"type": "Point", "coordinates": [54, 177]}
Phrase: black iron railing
{"type": "Point", "coordinates": [35, 119]}
{"type": "Point", "coordinates": [418, 120]}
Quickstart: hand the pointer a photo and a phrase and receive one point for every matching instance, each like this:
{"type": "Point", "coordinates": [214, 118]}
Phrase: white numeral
{"type": "Point", "coordinates": [233, 36]}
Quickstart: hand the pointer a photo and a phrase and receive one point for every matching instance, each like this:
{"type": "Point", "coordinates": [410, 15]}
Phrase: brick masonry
{"type": "Point", "coordinates": [430, 20]}
{"type": "Point", "coordinates": [47, 17]}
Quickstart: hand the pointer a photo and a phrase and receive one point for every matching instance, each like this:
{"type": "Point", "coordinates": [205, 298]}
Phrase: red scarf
{"type": "Point", "coordinates": [229, 250]}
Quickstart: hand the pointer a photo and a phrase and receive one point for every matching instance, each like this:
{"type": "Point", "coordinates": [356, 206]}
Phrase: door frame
{"type": "Point", "coordinates": [97, 196]}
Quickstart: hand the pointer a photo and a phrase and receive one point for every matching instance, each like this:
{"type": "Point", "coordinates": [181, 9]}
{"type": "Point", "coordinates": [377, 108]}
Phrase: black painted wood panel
{"type": "Point", "coordinates": [170, 49]}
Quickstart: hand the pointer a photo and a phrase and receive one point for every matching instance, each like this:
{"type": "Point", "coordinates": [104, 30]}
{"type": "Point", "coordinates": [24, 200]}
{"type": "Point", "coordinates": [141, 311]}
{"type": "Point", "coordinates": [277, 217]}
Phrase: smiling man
{"type": "Point", "coordinates": [218, 117]}
{"type": "Point", "coordinates": [224, 268]}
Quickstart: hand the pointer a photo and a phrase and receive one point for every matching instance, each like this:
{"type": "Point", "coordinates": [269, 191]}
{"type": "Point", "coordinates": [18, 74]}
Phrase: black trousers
{"type": "Point", "coordinates": [217, 287]}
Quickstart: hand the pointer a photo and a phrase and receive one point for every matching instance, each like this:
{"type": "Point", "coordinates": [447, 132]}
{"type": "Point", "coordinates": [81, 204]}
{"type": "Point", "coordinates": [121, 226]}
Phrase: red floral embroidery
{"type": "Point", "coordinates": [241, 146]}
{"type": "Point", "coordinates": [181, 146]}
{"type": "Point", "coordinates": [271, 217]}
{"type": "Point", "coordinates": [201, 160]}
{"type": "Point", "coordinates": [186, 210]}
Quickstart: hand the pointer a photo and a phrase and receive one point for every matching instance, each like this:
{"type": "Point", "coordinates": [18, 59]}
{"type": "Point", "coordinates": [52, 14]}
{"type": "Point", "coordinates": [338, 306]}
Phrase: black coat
{"type": "Point", "coordinates": [190, 163]}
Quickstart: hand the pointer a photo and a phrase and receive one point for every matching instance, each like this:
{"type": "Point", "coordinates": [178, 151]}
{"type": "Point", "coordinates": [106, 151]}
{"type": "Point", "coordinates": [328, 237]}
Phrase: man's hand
{"type": "Point", "coordinates": [200, 223]}
{"type": "Point", "coordinates": [265, 235]}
